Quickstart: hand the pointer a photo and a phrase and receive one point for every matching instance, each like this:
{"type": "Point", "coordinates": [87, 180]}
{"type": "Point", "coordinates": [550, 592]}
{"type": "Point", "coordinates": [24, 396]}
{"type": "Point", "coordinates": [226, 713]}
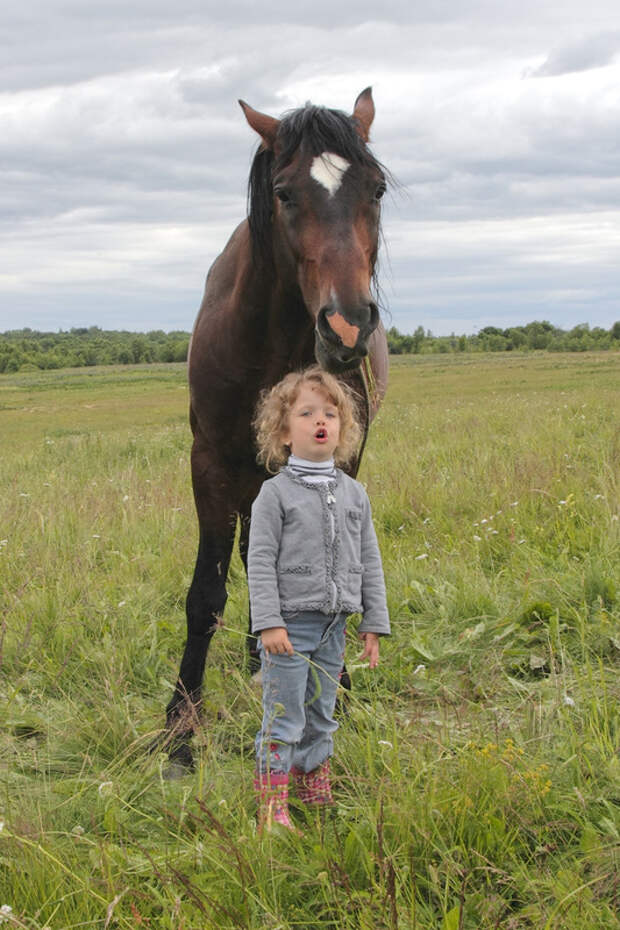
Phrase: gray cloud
{"type": "Point", "coordinates": [594, 51]}
{"type": "Point", "coordinates": [125, 155]}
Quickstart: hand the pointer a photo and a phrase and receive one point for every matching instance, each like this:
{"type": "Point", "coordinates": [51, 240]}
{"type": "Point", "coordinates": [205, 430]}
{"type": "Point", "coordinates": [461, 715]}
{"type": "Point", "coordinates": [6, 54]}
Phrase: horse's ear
{"type": "Point", "coordinates": [364, 113]}
{"type": "Point", "coordinates": [266, 126]}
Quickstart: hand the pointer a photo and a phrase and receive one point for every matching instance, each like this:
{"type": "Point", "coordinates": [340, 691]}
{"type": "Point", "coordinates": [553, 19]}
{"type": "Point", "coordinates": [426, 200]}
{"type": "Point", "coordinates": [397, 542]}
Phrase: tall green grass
{"type": "Point", "coordinates": [476, 770]}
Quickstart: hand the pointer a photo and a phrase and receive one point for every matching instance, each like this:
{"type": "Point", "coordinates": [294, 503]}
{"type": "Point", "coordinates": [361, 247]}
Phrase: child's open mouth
{"type": "Point", "coordinates": [320, 434]}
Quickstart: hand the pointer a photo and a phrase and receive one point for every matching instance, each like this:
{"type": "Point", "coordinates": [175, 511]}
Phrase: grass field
{"type": "Point", "coordinates": [477, 771]}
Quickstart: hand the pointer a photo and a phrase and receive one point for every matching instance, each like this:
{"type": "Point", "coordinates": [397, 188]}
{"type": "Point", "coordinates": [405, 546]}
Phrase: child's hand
{"type": "Point", "coordinates": [275, 641]}
{"type": "Point", "coordinates": [371, 648]}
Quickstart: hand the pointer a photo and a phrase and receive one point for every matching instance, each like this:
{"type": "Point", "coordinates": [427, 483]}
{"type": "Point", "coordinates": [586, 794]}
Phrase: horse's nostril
{"type": "Point", "coordinates": [374, 316]}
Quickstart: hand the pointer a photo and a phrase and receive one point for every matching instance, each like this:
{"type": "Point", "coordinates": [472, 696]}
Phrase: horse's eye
{"type": "Point", "coordinates": [380, 191]}
{"type": "Point", "coordinates": [282, 195]}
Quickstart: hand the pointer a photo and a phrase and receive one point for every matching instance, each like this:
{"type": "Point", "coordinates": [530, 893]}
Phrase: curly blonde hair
{"type": "Point", "coordinates": [274, 405]}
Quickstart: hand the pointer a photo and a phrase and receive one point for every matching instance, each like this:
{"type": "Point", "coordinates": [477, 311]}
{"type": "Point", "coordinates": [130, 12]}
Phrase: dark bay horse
{"type": "Point", "coordinates": [293, 286]}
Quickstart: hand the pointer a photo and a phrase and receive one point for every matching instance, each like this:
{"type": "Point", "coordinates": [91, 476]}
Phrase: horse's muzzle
{"type": "Point", "coordinates": [341, 340]}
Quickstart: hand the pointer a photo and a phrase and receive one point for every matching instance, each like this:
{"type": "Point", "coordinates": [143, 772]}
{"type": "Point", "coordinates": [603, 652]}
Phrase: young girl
{"type": "Point", "coordinates": [313, 560]}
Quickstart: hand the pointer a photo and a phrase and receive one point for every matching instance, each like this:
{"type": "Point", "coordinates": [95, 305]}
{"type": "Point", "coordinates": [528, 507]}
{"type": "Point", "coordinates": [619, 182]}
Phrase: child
{"type": "Point", "coordinates": [313, 559]}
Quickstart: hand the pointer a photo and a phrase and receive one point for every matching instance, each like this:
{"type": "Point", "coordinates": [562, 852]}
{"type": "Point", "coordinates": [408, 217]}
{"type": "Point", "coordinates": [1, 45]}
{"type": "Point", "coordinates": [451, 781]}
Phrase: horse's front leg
{"type": "Point", "coordinates": [205, 603]}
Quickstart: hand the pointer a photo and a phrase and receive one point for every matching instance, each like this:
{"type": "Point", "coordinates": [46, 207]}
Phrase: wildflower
{"type": "Point", "coordinates": [515, 504]}
{"type": "Point", "coordinates": [568, 701]}
{"type": "Point", "coordinates": [562, 502]}
{"type": "Point", "coordinates": [104, 788]}
{"type": "Point", "coordinates": [477, 538]}
{"type": "Point", "coordinates": [5, 913]}
{"type": "Point", "coordinates": [1, 825]}
{"type": "Point", "coordinates": [484, 520]}
{"type": "Point", "coordinates": [426, 520]}
{"type": "Point", "coordinates": [384, 742]}
{"type": "Point", "coordinates": [96, 536]}
{"type": "Point", "coordinates": [521, 541]}
{"type": "Point", "coordinates": [78, 830]}
{"type": "Point", "coordinates": [419, 668]}
{"type": "Point", "coordinates": [121, 603]}
{"type": "Point", "coordinates": [423, 556]}
{"type": "Point", "coordinates": [125, 497]}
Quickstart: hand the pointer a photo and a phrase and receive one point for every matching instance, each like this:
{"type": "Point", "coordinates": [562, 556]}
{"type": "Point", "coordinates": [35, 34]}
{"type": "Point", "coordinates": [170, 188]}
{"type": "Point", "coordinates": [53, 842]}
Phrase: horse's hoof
{"type": "Point", "coordinates": [182, 758]}
{"type": "Point", "coordinates": [174, 771]}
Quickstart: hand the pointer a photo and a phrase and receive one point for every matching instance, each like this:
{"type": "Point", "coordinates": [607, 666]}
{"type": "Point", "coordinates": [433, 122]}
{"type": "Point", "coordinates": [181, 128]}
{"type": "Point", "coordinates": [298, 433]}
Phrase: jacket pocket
{"type": "Point", "coordinates": [353, 518]}
{"type": "Point", "coordinates": [353, 582]}
{"type": "Point", "coordinates": [294, 583]}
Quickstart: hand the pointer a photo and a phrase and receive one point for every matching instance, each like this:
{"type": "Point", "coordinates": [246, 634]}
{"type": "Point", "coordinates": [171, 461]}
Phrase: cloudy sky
{"type": "Point", "coordinates": [124, 155]}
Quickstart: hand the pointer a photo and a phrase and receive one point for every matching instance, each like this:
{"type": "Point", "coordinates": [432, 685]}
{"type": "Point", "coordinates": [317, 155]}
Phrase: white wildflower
{"type": "Point", "coordinates": [125, 497]}
{"type": "Point", "coordinates": [96, 536]}
{"type": "Point", "coordinates": [426, 520]}
{"type": "Point", "coordinates": [121, 603]}
{"type": "Point", "coordinates": [494, 532]}
{"type": "Point", "coordinates": [568, 701]}
{"type": "Point", "coordinates": [23, 494]}
{"type": "Point", "coordinates": [1, 825]}
{"type": "Point", "coordinates": [401, 527]}
{"type": "Point", "coordinates": [384, 742]}
{"type": "Point", "coordinates": [78, 830]}
{"type": "Point", "coordinates": [515, 504]}
{"type": "Point", "coordinates": [477, 538]}
{"type": "Point", "coordinates": [424, 555]}
{"type": "Point", "coordinates": [521, 541]}
{"type": "Point", "coordinates": [598, 497]}
{"type": "Point", "coordinates": [562, 502]}
{"type": "Point", "coordinates": [484, 520]}
{"type": "Point", "coordinates": [5, 913]}
{"type": "Point", "coordinates": [104, 788]}
{"type": "Point", "coordinates": [419, 668]}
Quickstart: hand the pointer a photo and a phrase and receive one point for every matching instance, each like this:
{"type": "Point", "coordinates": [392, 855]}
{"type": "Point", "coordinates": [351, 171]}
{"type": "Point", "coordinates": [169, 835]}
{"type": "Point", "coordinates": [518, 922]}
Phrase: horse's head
{"type": "Point", "coordinates": [315, 192]}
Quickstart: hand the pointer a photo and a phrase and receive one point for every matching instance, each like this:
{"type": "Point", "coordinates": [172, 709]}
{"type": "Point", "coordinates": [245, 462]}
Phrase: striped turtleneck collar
{"type": "Point", "coordinates": [307, 469]}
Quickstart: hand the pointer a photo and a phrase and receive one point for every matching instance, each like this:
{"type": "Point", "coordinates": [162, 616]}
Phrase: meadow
{"type": "Point", "coordinates": [477, 773]}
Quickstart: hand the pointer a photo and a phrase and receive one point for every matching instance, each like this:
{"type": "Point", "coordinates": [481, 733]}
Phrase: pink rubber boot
{"type": "Point", "coordinates": [314, 787]}
{"type": "Point", "coordinates": [272, 794]}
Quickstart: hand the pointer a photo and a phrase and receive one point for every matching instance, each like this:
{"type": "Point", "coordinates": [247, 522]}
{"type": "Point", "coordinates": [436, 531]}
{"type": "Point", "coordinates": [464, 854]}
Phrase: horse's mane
{"type": "Point", "coordinates": [314, 130]}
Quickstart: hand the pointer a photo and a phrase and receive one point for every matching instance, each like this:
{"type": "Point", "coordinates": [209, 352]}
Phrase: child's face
{"type": "Point", "coordinates": [313, 427]}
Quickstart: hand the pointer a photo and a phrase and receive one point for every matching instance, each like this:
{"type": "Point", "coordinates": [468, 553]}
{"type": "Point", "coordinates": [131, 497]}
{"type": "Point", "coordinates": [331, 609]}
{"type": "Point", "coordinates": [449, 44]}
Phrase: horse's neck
{"type": "Point", "coordinates": [271, 306]}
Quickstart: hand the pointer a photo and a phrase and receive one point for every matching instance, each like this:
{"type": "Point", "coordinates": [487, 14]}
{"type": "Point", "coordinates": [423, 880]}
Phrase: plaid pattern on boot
{"type": "Point", "coordinates": [272, 793]}
{"type": "Point", "coordinates": [314, 787]}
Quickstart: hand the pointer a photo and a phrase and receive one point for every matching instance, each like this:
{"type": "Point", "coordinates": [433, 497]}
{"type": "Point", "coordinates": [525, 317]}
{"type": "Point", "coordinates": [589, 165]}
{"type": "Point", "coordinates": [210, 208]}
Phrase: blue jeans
{"type": "Point", "coordinates": [299, 695]}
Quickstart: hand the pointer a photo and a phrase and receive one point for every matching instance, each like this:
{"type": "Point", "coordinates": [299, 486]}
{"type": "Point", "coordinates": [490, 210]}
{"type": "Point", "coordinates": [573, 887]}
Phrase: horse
{"type": "Point", "coordinates": [293, 286]}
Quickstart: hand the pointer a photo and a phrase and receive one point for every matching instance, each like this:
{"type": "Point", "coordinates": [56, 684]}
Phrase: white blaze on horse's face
{"type": "Point", "coordinates": [328, 170]}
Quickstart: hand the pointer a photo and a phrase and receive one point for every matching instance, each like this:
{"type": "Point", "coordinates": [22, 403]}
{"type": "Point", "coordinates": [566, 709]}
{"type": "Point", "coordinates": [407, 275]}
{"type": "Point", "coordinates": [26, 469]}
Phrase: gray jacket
{"type": "Point", "coordinates": [301, 559]}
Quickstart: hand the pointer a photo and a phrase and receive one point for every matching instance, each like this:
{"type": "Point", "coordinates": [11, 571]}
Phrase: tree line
{"type": "Point", "coordinates": [533, 336]}
{"type": "Point", "coordinates": [29, 350]}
